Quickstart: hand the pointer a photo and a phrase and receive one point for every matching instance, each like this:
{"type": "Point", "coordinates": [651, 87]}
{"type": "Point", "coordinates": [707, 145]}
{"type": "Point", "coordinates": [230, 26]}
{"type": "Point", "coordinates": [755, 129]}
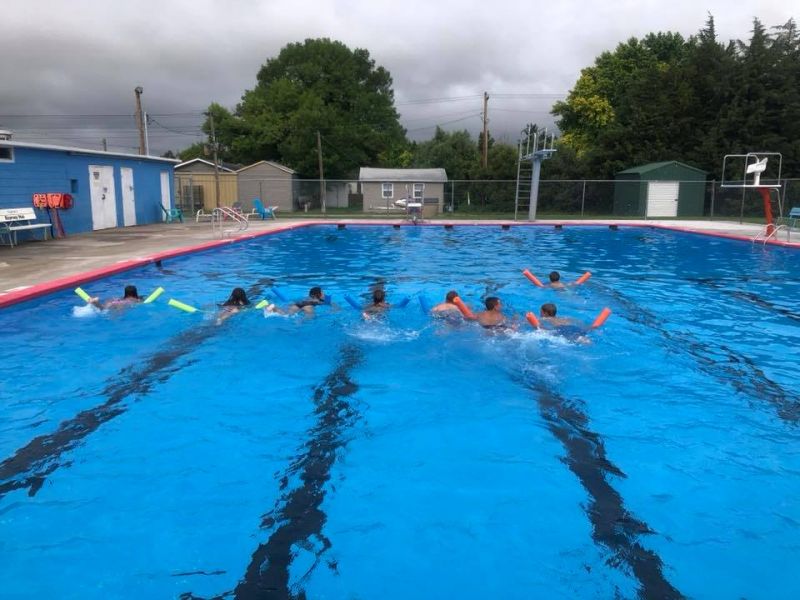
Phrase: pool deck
{"type": "Point", "coordinates": [35, 268]}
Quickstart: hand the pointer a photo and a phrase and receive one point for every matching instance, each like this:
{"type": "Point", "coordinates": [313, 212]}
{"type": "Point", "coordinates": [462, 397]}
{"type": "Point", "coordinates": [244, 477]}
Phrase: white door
{"type": "Point", "coordinates": [128, 196]}
{"type": "Point", "coordinates": [662, 199]}
{"type": "Point", "coordinates": [104, 197]}
{"type": "Point", "coordinates": [165, 197]}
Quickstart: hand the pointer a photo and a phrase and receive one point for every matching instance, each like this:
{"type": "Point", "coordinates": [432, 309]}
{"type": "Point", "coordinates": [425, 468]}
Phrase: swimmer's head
{"type": "Point", "coordinates": [548, 310]}
{"type": "Point", "coordinates": [492, 302]}
{"type": "Point", "coordinates": [315, 292]}
{"type": "Point", "coordinates": [451, 295]}
{"type": "Point", "coordinates": [555, 277]}
{"type": "Point", "coordinates": [238, 298]}
{"type": "Point", "coordinates": [131, 292]}
{"type": "Point", "coordinates": [378, 296]}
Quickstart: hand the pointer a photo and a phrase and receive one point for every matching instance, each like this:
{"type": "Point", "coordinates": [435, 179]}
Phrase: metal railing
{"type": "Point", "coordinates": [223, 214]}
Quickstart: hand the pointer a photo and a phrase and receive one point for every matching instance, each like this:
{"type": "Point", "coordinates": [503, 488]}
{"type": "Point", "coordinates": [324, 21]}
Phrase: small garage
{"type": "Point", "coordinates": [660, 190]}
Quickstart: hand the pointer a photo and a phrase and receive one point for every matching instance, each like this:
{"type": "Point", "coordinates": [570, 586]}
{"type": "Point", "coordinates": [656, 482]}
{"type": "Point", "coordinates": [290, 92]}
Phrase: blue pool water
{"type": "Point", "coordinates": [155, 454]}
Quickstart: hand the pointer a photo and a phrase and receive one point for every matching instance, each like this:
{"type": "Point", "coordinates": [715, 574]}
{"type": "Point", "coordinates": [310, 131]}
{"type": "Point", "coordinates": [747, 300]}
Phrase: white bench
{"type": "Point", "coordinates": [13, 220]}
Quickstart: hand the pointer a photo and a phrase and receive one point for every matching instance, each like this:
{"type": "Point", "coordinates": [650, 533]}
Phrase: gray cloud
{"type": "Point", "coordinates": [85, 57]}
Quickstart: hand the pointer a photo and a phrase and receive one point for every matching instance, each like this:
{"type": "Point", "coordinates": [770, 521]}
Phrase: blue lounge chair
{"type": "Point", "coordinates": [172, 214]}
{"type": "Point", "coordinates": [266, 212]}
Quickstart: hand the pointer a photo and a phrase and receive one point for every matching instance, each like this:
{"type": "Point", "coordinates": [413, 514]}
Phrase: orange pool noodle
{"type": "Point", "coordinates": [468, 314]}
{"type": "Point", "coordinates": [583, 278]}
{"type": "Point", "coordinates": [532, 278]}
{"type": "Point", "coordinates": [601, 318]}
{"type": "Point", "coordinates": [533, 320]}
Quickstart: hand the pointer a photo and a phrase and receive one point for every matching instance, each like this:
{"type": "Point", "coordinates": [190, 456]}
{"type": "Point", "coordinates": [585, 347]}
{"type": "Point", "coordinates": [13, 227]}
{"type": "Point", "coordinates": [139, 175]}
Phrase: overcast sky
{"type": "Point", "coordinates": [84, 58]}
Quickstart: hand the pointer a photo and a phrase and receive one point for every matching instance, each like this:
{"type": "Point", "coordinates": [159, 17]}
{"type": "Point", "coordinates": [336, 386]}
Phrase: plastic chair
{"type": "Point", "coordinates": [266, 212]}
{"type": "Point", "coordinates": [171, 214]}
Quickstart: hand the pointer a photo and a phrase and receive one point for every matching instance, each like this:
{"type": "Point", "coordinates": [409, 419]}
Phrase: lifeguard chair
{"type": "Point", "coordinates": [752, 176]}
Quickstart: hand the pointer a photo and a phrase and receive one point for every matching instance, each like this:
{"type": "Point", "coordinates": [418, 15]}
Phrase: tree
{"type": "Point", "coordinates": [454, 152]}
{"type": "Point", "coordinates": [315, 86]}
{"type": "Point", "coordinates": [196, 150]}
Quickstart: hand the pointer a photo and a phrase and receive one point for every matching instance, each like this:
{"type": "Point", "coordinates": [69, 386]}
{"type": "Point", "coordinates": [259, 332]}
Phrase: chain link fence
{"type": "Point", "coordinates": [584, 198]}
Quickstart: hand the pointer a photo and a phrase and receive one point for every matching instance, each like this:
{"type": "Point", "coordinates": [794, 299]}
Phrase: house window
{"type": "Point", "coordinates": [387, 190]}
{"type": "Point", "coordinates": [6, 154]}
{"type": "Point", "coordinates": [73, 186]}
{"type": "Point", "coordinates": [419, 190]}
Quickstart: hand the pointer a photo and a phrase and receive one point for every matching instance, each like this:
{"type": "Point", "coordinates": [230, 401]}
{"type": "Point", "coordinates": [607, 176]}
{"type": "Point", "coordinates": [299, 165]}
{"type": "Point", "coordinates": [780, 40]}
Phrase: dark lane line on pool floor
{"type": "Point", "coordinates": [749, 297]}
{"type": "Point", "coordinates": [31, 464]}
{"type": "Point", "coordinates": [297, 513]}
{"type": "Point", "coordinates": [613, 526]}
{"type": "Point", "coordinates": [721, 362]}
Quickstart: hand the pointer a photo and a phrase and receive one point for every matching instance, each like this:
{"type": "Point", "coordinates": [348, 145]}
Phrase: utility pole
{"type": "Point", "coordinates": [139, 118]}
{"type": "Point", "coordinates": [485, 160]}
{"type": "Point", "coordinates": [216, 161]}
{"type": "Point", "coordinates": [105, 145]}
{"type": "Point", "coordinates": [321, 174]}
{"type": "Point", "coordinates": [146, 136]}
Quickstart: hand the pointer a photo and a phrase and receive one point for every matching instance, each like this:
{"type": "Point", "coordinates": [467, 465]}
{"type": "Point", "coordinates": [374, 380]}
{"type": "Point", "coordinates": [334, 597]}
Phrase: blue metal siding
{"type": "Point", "coordinates": [42, 170]}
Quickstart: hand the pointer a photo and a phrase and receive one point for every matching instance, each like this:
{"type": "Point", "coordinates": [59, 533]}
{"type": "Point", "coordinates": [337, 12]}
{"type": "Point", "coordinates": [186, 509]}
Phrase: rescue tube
{"type": "Point", "coordinates": [532, 278]}
{"type": "Point", "coordinates": [278, 294]}
{"type": "Point", "coordinates": [154, 296]}
{"type": "Point", "coordinates": [352, 302]}
{"type": "Point", "coordinates": [83, 295]}
{"type": "Point", "coordinates": [181, 306]}
{"type": "Point", "coordinates": [583, 278]}
{"type": "Point", "coordinates": [468, 314]}
{"type": "Point", "coordinates": [601, 318]}
{"type": "Point", "coordinates": [531, 318]}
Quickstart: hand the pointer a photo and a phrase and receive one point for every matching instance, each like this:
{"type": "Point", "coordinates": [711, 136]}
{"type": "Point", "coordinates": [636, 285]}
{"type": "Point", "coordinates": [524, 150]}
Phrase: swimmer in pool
{"type": "Point", "coordinates": [316, 297]}
{"type": "Point", "coordinates": [129, 298]}
{"type": "Point", "coordinates": [236, 302]}
{"type": "Point", "coordinates": [493, 317]}
{"type": "Point", "coordinates": [378, 305]}
{"type": "Point", "coordinates": [447, 309]}
{"type": "Point", "coordinates": [569, 328]}
{"type": "Point", "coordinates": [555, 280]}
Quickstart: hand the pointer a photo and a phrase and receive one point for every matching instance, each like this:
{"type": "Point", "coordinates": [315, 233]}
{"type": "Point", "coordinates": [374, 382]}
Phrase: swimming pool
{"type": "Point", "coordinates": [154, 454]}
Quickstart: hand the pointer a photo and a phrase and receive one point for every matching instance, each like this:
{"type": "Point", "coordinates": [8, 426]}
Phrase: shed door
{"type": "Point", "coordinates": [128, 197]}
{"type": "Point", "coordinates": [166, 200]}
{"type": "Point", "coordinates": [104, 196]}
{"type": "Point", "coordinates": [662, 199]}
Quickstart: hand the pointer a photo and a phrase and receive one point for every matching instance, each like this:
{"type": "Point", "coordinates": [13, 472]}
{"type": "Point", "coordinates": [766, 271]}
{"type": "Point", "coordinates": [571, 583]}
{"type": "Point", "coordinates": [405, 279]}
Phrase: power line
{"type": "Point", "coordinates": [446, 122]}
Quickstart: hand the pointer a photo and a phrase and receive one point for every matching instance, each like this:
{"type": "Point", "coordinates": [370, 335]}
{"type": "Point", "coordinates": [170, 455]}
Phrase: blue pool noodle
{"type": "Point", "coordinates": [278, 294]}
{"type": "Point", "coordinates": [352, 302]}
{"type": "Point", "coordinates": [423, 304]}
{"type": "Point", "coordinates": [404, 302]}
{"type": "Point", "coordinates": [327, 299]}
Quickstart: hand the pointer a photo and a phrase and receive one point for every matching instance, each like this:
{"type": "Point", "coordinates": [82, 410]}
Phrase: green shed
{"type": "Point", "coordinates": [660, 189]}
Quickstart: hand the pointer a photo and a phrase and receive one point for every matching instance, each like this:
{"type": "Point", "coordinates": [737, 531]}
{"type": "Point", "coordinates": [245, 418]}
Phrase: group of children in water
{"type": "Point", "coordinates": [451, 308]}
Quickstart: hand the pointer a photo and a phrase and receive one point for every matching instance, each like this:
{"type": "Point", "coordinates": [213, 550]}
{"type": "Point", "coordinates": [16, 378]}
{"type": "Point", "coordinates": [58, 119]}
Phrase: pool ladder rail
{"type": "Point", "coordinates": [764, 237]}
{"type": "Point", "coordinates": [225, 214]}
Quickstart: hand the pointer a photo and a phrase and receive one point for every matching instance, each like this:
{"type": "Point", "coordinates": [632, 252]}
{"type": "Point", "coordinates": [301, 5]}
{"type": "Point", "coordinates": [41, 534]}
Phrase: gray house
{"type": "Point", "coordinates": [274, 184]}
{"type": "Point", "coordinates": [383, 188]}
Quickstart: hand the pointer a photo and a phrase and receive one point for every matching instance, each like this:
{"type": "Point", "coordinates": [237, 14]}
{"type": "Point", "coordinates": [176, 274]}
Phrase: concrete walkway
{"type": "Point", "coordinates": [37, 263]}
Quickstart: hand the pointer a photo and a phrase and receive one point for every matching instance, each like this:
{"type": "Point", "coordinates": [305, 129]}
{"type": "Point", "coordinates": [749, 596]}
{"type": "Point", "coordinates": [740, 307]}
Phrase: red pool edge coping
{"type": "Point", "coordinates": [55, 285]}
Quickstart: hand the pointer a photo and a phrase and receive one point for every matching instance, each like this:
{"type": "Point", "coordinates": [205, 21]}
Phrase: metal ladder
{"type": "Point", "coordinates": [225, 213]}
{"type": "Point", "coordinates": [522, 195]}
{"type": "Point", "coordinates": [763, 237]}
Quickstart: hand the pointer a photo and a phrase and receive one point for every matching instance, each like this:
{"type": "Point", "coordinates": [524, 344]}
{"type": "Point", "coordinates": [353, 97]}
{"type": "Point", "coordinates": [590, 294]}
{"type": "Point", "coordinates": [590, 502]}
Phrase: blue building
{"type": "Point", "coordinates": [109, 189]}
